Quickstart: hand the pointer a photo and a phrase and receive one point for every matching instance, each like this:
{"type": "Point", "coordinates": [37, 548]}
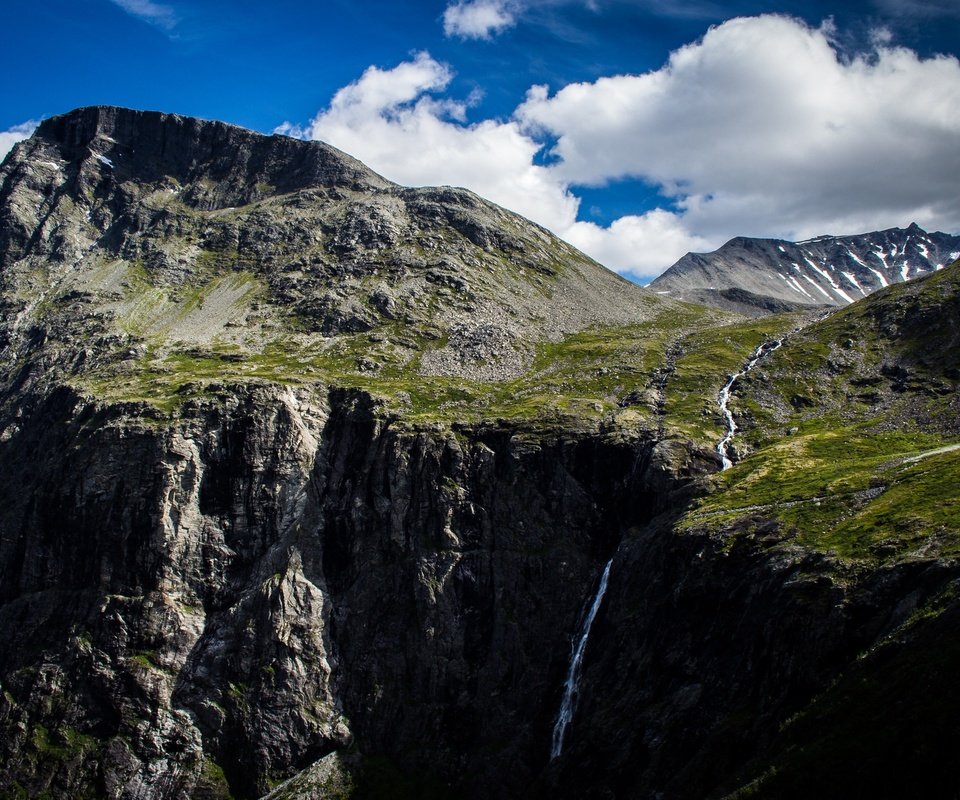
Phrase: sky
{"type": "Point", "coordinates": [637, 130]}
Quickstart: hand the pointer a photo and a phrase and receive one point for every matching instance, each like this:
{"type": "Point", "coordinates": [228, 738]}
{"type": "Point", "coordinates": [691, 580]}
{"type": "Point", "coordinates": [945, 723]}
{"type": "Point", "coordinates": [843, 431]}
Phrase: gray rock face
{"type": "Point", "coordinates": [759, 276]}
{"type": "Point", "coordinates": [129, 225]}
{"type": "Point", "coordinates": [281, 574]}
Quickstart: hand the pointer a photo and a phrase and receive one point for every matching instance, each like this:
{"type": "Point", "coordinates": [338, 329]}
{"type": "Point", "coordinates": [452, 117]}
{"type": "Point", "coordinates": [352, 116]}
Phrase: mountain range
{"type": "Point", "coordinates": [771, 275]}
{"type": "Point", "coordinates": [312, 485]}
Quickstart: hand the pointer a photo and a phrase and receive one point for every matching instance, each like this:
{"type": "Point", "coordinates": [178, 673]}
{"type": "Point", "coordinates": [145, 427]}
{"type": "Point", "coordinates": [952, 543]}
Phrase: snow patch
{"type": "Point", "coordinates": [792, 283]}
{"type": "Point", "coordinates": [905, 271]}
{"type": "Point", "coordinates": [818, 287]}
{"type": "Point", "coordinates": [883, 281]}
{"type": "Point", "coordinates": [853, 282]}
{"type": "Point", "coordinates": [856, 258]}
{"type": "Point", "coordinates": [843, 294]}
{"type": "Point", "coordinates": [829, 279]}
{"type": "Point", "coordinates": [105, 160]}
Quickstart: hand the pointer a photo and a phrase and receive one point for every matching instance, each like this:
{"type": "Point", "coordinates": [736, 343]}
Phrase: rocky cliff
{"type": "Point", "coordinates": [308, 481]}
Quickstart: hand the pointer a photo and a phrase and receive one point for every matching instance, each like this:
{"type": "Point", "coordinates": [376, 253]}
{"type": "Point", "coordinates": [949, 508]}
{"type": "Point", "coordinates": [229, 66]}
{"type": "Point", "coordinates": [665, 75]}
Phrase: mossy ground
{"type": "Point", "coordinates": [840, 428]}
{"type": "Point", "coordinates": [585, 375]}
{"type": "Point", "coordinates": [826, 424]}
{"type": "Point", "coordinates": [707, 359]}
{"type": "Point", "coordinates": [854, 493]}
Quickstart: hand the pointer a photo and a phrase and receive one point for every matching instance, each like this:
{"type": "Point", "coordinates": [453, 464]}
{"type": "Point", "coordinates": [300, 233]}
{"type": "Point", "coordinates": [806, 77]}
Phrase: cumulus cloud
{"type": "Point", "coordinates": [760, 128]}
{"type": "Point", "coordinates": [394, 121]}
{"type": "Point", "coordinates": [478, 19]}
{"type": "Point", "coordinates": [638, 245]}
{"type": "Point", "coordinates": [157, 14]}
{"type": "Point", "coordinates": [397, 122]}
{"type": "Point", "coordinates": [17, 133]}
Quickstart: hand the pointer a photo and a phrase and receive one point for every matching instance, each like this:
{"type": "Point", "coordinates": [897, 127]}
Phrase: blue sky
{"type": "Point", "coordinates": [636, 129]}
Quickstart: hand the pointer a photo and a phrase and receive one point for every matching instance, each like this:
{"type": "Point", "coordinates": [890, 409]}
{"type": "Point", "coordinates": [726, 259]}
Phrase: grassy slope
{"type": "Point", "coordinates": [868, 475]}
{"type": "Point", "coordinates": [839, 421]}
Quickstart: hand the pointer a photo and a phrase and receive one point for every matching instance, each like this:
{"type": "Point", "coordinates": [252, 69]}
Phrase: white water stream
{"type": "Point", "coordinates": [724, 398]}
{"type": "Point", "coordinates": [572, 685]}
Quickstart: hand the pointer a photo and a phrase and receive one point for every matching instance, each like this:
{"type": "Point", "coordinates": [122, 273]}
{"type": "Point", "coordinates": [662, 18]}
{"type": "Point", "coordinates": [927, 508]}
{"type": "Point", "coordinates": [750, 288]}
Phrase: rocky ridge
{"type": "Point", "coordinates": [758, 276]}
{"type": "Point", "coordinates": [140, 226]}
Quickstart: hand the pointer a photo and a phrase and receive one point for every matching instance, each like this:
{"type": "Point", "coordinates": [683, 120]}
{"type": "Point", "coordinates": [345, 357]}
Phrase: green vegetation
{"type": "Point", "coordinates": [212, 781]}
{"type": "Point", "coordinates": [851, 492]}
{"type": "Point", "coordinates": [842, 427]}
{"type": "Point", "coordinates": [584, 375]}
{"type": "Point", "coordinates": [707, 360]}
{"type": "Point", "coordinates": [51, 755]}
{"type": "Point", "coordinates": [147, 659]}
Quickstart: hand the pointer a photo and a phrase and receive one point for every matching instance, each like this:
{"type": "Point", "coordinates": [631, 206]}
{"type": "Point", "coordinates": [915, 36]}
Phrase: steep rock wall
{"type": "Point", "coordinates": [216, 604]}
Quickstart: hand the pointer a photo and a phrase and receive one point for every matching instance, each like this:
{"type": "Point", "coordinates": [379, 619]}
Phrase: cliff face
{"type": "Point", "coordinates": [283, 573]}
{"type": "Point", "coordinates": [307, 481]}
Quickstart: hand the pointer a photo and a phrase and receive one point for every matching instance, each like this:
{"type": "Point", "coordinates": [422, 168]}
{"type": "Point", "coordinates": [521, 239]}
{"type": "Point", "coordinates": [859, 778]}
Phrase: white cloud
{"type": "Point", "coordinates": [758, 129]}
{"type": "Point", "coordinates": [392, 121]}
{"type": "Point", "coordinates": [761, 129]}
{"type": "Point", "coordinates": [17, 133]}
{"type": "Point", "coordinates": [639, 245]}
{"type": "Point", "coordinates": [478, 19]}
{"type": "Point", "coordinates": [157, 14]}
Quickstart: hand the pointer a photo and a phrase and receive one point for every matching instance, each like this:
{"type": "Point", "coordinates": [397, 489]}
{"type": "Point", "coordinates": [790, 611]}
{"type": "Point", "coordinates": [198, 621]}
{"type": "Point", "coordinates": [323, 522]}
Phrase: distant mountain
{"type": "Point", "coordinates": [770, 275]}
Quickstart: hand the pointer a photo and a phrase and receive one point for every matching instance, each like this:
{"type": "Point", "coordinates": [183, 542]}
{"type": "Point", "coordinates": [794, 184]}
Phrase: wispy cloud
{"type": "Point", "coordinates": [922, 9]}
{"type": "Point", "coordinates": [479, 19]}
{"type": "Point", "coordinates": [17, 133]}
{"type": "Point", "coordinates": [157, 14]}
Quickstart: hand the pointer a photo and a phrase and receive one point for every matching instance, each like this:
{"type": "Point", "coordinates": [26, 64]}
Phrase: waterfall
{"type": "Point", "coordinates": [572, 684]}
{"type": "Point", "coordinates": [724, 398]}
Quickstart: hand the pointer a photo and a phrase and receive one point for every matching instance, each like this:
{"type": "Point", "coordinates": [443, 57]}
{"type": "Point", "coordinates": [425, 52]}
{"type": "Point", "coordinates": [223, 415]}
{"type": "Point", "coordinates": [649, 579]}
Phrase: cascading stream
{"type": "Point", "coordinates": [572, 684]}
{"type": "Point", "coordinates": [724, 398]}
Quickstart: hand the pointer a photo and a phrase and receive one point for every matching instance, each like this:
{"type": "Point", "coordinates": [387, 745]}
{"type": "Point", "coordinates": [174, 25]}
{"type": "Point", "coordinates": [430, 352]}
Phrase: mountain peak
{"type": "Point", "coordinates": [757, 276]}
{"type": "Point", "coordinates": [147, 214]}
{"type": "Point", "coordinates": [146, 146]}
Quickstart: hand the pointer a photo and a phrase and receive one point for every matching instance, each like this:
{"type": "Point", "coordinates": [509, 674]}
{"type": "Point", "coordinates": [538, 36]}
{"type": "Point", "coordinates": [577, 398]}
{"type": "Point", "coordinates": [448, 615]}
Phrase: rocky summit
{"type": "Point", "coordinates": [315, 486]}
{"type": "Point", "coordinates": [761, 276]}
